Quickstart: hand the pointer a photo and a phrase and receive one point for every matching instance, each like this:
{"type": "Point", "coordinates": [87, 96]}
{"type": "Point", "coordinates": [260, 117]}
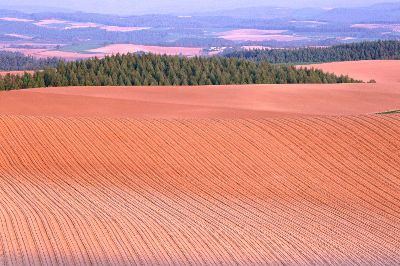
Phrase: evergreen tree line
{"type": "Point", "coordinates": [148, 69]}
{"type": "Point", "coordinates": [346, 52]}
{"type": "Point", "coordinates": [10, 61]}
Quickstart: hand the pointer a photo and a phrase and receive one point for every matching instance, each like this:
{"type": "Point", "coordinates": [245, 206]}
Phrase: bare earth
{"type": "Point", "coordinates": [255, 101]}
{"type": "Point", "coordinates": [383, 71]}
{"type": "Point", "coordinates": [133, 48]}
{"type": "Point", "coordinates": [309, 191]}
{"type": "Point", "coordinates": [106, 50]}
{"type": "Point", "coordinates": [259, 35]}
{"type": "Point", "coordinates": [243, 101]}
{"type": "Point", "coordinates": [235, 175]}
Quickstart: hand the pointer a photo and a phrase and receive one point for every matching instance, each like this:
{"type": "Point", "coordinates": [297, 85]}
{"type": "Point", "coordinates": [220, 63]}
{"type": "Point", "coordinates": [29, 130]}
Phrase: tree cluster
{"type": "Point", "coordinates": [10, 61]}
{"type": "Point", "coordinates": [347, 52]}
{"type": "Point", "coordinates": [148, 69]}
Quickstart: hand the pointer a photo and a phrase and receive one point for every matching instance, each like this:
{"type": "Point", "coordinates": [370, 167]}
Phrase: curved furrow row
{"type": "Point", "coordinates": [288, 191]}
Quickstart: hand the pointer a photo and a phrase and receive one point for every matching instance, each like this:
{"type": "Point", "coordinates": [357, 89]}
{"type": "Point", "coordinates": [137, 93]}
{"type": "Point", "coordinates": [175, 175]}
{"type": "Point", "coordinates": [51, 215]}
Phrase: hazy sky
{"type": "Point", "coordinates": [178, 6]}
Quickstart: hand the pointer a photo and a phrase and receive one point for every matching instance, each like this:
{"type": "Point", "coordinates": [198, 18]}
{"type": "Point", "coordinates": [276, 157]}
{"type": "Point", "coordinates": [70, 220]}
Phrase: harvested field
{"type": "Point", "coordinates": [252, 32]}
{"type": "Point", "coordinates": [81, 25]}
{"type": "Point", "coordinates": [107, 50]}
{"type": "Point", "coordinates": [133, 48]}
{"type": "Point", "coordinates": [45, 53]}
{"type": "Point", "coordinates": [383, 71]}
{"type": "Point", "coordinates": [10, 19]}
{"type": "Point", "coordinates": [122, 29]}
{"type": "Point", "coordinates": [47, 23]}
{"type": "Point", "coordinates": [299, 191]}
{"type": "Point", "coordinates": [66, 55]}
{"type": "Point", "coordinates": [259, 35]}
{"type": "Point", "coordinates": [313, 22]}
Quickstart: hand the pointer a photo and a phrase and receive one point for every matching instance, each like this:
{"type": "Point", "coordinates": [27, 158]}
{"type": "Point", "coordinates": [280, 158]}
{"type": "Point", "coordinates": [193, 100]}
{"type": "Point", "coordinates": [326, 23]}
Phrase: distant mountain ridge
{"type": "Point", "coordinates": [384, 12]}
{"type": "Point", "coordinates": [35, 9]}
{"type": "Point", "coordinates": [387, 12]}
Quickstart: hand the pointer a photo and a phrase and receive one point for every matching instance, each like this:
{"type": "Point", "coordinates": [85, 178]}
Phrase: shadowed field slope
{"type": "Point", "coordinates": [293, 191]}
{"type": "Point", "coordinates": [244, 101]}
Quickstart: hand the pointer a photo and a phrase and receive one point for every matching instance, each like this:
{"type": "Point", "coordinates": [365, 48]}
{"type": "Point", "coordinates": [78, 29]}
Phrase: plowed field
{"type": "Point", "coordinates": [231, 175]}
{"type": "Point", "coordinates": [277, 191]}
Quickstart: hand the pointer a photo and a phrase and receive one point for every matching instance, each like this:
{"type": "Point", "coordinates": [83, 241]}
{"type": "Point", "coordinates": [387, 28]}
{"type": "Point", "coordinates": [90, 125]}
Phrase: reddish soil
{"type": "Point", "coordinates": [67, 55]}
{"type": "Point", "coordinates": [107, 50]}
{"type": "Point", "coordinates": [232, 175]}
{"type": "Point", "coordinates": [299, 191]}
{"type": "Point", "coordinates": [204, 101]}
{"type": "Point", "coordinates": [383, 71]}
{"type": "Point", "coordinates": [245, 101]}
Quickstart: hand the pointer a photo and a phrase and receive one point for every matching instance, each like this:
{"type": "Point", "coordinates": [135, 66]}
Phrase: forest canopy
{"type": "Point", "coordinates": [346, 52]}
{"type": "Point", "coordinates": [148, 69]}
{"type": "Point", "coordinates": [10, 61]}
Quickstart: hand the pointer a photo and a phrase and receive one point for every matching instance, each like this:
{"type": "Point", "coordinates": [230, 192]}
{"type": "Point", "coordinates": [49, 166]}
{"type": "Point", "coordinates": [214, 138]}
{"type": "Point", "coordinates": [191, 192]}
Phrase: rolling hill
{"type": "Point", "coordinates": [230, 101]}
{"type": "Point", "coordinates": [235, 175]}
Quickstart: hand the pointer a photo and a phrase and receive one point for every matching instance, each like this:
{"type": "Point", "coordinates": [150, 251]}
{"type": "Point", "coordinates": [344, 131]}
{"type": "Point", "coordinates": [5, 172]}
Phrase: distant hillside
{"type": "Point", "coordinates": [385, 12]}
{"type": "Point", "coordinates": [379, 13]}
{"type": "Point", "coordinates": [347, 52]}
{"type": "Point", "coordinates": [267, 12]}
{"type": "Point", "coordinates": [10, 61]}
{"type": "Point", "coordinates": [131, 69]}
{"type": "Point", "coordinates": [298, 27]}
